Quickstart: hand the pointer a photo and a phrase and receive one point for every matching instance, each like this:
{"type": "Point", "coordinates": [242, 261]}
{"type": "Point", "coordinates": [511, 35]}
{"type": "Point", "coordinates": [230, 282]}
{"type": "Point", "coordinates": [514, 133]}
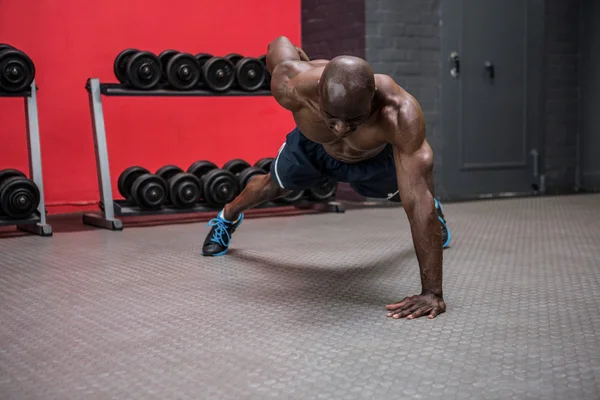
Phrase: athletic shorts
{"type": "Point", "coordinates": [302, 164]}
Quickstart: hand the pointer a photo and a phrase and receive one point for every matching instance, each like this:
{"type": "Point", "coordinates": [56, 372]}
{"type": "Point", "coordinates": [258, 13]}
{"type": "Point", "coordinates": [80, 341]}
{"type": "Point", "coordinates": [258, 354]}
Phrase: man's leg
{"type": "Point", "coordinates": [292, 169]}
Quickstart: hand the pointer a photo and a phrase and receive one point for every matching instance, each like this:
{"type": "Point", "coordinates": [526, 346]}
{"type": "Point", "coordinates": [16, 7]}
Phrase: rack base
{"type": "Point", "coordinates": [32, 224]}
{"type": "Point", "coordinates": [124, 209]}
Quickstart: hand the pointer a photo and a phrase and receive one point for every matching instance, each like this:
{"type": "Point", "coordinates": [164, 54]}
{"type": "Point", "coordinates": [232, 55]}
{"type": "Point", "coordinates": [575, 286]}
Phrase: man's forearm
{"type": "Point", "coordinates": [427, 239]}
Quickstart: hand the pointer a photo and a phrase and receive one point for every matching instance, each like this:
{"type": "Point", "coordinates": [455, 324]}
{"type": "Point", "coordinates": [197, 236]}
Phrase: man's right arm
{"type": "Point", "coordinates": [280, 50]}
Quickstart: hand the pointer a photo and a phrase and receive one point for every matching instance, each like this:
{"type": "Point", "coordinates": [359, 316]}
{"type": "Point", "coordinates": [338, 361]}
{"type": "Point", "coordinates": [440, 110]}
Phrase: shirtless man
{"type": "Point", "coordinates": [357, 127]}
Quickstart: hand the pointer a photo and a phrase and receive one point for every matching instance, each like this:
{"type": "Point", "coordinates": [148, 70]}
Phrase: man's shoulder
{"type": "Point", "coordinates": [400, 110]}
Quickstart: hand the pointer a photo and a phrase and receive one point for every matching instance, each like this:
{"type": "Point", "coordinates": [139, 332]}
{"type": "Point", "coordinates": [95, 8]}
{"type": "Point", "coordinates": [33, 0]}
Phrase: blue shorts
{"type": "Point", "coordinates": [302, 164]}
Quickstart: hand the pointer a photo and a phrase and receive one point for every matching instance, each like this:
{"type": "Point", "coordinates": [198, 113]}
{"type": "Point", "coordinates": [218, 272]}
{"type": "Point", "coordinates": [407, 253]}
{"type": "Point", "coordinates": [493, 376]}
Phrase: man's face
{"type": "Point", "coordinates": [343, 123]}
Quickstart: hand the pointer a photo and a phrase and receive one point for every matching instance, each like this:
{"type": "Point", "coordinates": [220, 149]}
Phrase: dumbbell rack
{"type": "Point", "coordinates": [36, 223]}
{"type": "Point", "coordinates": [110, 208]}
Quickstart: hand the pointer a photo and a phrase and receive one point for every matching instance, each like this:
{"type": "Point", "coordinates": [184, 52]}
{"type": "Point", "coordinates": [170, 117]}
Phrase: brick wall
{"type": "Point", "coordinates": [332, 27]}
{"type": "Point", "coordinates": [403, 41]}
{"type": "Point", "coordinates": [562, 93]}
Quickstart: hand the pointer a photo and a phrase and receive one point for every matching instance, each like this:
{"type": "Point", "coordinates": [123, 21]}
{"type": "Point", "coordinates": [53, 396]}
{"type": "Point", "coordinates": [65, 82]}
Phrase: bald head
{"type": "Point", "coordinates": [346, 88]}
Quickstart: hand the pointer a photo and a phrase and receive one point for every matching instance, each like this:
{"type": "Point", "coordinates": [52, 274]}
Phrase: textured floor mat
{"type": "Point", "coordinates": [296, 310]}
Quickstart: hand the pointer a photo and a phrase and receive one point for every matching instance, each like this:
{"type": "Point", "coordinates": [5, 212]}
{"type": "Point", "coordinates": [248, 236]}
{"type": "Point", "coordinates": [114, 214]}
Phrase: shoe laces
{"type": "Point", "coordinates": [221, 234]}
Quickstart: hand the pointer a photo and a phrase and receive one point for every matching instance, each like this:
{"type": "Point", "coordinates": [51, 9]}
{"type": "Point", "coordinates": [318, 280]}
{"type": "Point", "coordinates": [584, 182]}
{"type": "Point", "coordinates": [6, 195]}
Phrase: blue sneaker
{"type": "Point", "coordinates": [446, 235]}
{"type": "Point", "coordinates": [217, 241]}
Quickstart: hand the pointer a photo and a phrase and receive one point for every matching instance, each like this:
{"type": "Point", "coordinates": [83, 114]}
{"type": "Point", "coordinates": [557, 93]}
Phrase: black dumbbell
{"type": "Point", "coordinates": [234, 57]}
{"type": "Point", "coordinates": [294, 196]}
{"type": "Point", "coordinates": [167, 172]}
{"type": "Point", "coordinates": [217, 74]}
{"type": "Point", "coordinates": [236, 165]}
{"type": "Point", "coordinates": [267, 82]}
{"type": "Point", "coordinates": [249, 74]}
{"type": "Point", "coordinates": [243, 171]}
{"type": "Point", "coordinates": [164, 58]}
{"type": "Point", "coordinates": [17, 70]}
{"type": "Point", "coordinates": [185, 190]}
{"type": "Point", "coordinates": [181, 71]}
{"type": "Point", "coordinates": [138, 69]}
{"type": "Point", "coordinates": [19, 196]}
{"type": "Point", "coordinates": [201, 59]}
{"type": "Point", "coordinates": [323, 191]}
{"type": "Point", "coordinates": [219, 187]}
{"type": "Point", "coordinates": [147, 191]}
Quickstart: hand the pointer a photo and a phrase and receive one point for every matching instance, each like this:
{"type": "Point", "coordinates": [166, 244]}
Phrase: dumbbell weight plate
{"type": "Point", "coordinates": [234, 57]}
{"type": "Point", "coordinates": [323, 191]}
{"type": "Point", "coordinates": [168, 171]}
{"type": "Point", "coordinates": [120, 64]}
{"type": "Point", "coordinates": [292, 197]}
{"type": "Point", "coordinates": [164, 59]}
{"type": "Point", "coordinates": [249, 74]}
{"type": "Point", "coordinates": [202, 58]}
{"type": "Point", "coordinates": [184, 190]}
{"type": "Point", "coordinates": [246, 176]}
{"type": "Point", "coordinates": [126, 179]}
{"type": "Point", "coordinates": [9, 173]}
{"type": "Point", "coordinates": [19, 197]}
{"type": "Point", "coordinates": [200, 168]}
{"type": "Point", "coordinates": [236, 166]}
{"type": "Point", "coordinates": [220, 187]}
{"type": "Point", "coordinates": [218, 74]}
{"type": "Point", "coordinates": [149, 191]}
{"type": "Point", "coordinates": [16, 71]}
{"type": "Point", "coordinates": [143, 70]}
{"type": "Point", "coordinates": [267, 81]}
{"type": "Point", "coordinates": [264, 163]}
{"type": "Point", "coordinates": [4, 46]}
{"type": "Point", "coordinates": [182, 71]}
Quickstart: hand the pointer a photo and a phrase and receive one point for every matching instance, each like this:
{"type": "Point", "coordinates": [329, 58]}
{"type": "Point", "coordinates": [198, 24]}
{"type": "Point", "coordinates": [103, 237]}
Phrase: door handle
{"type": "Point", "coordinates": [489, 67]}
{"type": "Point", "coordinates": [454, 65]}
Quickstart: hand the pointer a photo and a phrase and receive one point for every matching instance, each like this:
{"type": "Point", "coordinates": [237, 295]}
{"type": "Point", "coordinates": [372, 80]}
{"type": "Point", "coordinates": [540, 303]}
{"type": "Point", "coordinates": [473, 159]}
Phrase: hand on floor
{"type": "Point", "coordinates": [417, 306]}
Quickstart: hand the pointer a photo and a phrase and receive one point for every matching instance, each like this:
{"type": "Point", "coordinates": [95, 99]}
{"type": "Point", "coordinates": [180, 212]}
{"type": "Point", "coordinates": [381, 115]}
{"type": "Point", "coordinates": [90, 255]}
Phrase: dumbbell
{"type": "Point", "coordinates": [243, 171]}
{"type": "Point", "coordinates": [180, 70]}
{"type": "Point", "coordinates": [323, 191]}
{"type": "Point", "coordinates": [249, 72]}
{"type": "Point", "coordinates": [267, 82]}
{"type": "Point", "coordinates": [294, 196]}
{"type": "Point", "coordinates": [17, 70]}
{"type": "Point", "coordinates": [147, 191]}
{"type": "Point", "coordinates": [138, 69]}
{"type": "Point", "coordinates": [217, 73]}
{"type": "Point", "coordinates": [19, 196]}
{"type": "Point", "coordinates": [184, 188]}
{"type": "Point", "coordinates": [219, 186]}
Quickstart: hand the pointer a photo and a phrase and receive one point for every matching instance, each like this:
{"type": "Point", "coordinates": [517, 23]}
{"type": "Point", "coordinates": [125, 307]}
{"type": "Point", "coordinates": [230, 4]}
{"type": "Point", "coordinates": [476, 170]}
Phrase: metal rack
{"type": "Point", "coordinates": [110, 209]}
{"type": "Point", "coordinates": [37, 222]}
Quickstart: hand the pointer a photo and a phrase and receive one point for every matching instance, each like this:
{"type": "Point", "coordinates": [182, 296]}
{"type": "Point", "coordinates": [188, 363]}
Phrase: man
{"type": "Point", "coordinates": [357, 127]}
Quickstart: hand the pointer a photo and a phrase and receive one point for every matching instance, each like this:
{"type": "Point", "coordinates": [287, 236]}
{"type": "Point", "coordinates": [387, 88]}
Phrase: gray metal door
{"type": "Point", "coordinates": [489, 128]}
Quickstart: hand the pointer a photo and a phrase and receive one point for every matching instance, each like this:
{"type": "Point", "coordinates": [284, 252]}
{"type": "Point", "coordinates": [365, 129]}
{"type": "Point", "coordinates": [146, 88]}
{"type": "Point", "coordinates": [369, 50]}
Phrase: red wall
{"type": "Point", "coordinates": [72, 40]}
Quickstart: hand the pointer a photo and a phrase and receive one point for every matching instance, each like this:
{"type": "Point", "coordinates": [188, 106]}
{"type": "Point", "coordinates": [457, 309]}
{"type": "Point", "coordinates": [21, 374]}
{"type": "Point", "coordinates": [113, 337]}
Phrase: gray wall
{"type": "Point", "coordinates": [590, 91]}
{"type": "Point", "coordinates": [402, 38]}
{"type": "Point", "coordinates": [403, 41]}
{"type": "Point", "coordinates": [562, 94]}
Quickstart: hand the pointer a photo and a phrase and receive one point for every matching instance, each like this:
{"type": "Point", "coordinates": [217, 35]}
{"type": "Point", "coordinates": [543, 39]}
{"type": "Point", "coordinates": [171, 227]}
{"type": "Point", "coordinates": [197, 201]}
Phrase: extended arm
{"type": "Point", "coordinates": [414, 168]}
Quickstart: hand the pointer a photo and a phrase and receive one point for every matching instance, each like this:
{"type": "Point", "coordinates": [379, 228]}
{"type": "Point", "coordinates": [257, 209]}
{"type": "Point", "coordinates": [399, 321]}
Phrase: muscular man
{"type": "Point", "coordinates": [358, 127]}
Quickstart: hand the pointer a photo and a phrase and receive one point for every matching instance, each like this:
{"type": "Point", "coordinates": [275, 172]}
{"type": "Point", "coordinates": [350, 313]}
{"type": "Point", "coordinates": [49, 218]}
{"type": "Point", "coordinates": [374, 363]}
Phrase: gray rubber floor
{"type": "Point", "coordinates": [297, 309]}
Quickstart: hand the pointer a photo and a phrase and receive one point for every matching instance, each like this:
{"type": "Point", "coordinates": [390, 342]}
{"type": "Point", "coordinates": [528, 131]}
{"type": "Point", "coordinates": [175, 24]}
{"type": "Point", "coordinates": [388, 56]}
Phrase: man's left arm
{"type": "Point", "coordinates": [414, 169]}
